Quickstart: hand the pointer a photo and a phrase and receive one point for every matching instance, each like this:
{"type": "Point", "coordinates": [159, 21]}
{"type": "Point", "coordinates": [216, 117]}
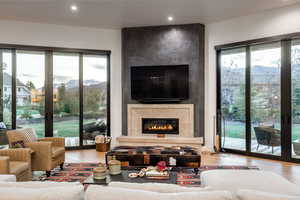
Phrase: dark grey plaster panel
{"type": "Point", "coordinates": [166, 45]}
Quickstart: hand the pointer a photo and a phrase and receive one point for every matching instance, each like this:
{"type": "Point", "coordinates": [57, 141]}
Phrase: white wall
{"type": "Point", "coordinates": [24, 33]}
{"type": "Point", "coordinates": [265, 24]}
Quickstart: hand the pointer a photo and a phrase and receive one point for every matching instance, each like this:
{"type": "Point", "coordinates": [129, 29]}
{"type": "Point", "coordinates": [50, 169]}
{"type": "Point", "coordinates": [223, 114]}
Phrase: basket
{"type": "Point", "coordinates": [103, 147]}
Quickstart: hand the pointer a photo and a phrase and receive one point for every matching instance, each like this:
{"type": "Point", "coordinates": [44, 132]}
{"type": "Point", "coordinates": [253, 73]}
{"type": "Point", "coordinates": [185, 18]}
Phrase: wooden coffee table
{"type": "Point", "coordinates": [151, 155]}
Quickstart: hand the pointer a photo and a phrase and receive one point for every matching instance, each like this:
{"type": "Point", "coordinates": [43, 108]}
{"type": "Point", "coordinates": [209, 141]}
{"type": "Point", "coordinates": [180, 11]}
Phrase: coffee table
{"type": "Point", "coordinates": [123, 177]}
{"type": "Point", "coordinates": [150, 155]}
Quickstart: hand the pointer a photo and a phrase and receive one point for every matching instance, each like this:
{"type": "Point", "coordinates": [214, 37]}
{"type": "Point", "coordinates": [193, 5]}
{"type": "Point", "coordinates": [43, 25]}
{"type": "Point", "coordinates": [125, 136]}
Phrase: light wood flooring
{"type": "Point", "coordinates": [291, 171]}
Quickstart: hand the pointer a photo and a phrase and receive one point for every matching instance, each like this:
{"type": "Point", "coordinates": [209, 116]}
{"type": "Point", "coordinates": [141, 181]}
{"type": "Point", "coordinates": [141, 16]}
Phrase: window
{"type": "Point", "coordinates": [94, 97]}
{"type": "Point", "coordinates": [233, 80]}
{"type": "Point", "coordinates": [6, 83]}
{"type": "Point", "coordinates": [263, 75]}
{"type": "Point", "coordinates": [58, 92]}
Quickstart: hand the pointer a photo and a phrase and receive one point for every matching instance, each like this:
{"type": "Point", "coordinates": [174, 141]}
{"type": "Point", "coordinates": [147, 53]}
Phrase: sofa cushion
{"type": "Point", "coordinates": [157, 187]}
{"type": "Point", "coordinates": [94, 192]}
{"type": "Point", "coordinates": [57, 151]}
{"type": "Point", "coordinates": [7, 178]}
{"type": "Point", "coordinates": [233, 180]}
{"type": "Point", "coordinates": [17, 167]}
{"type": "Point", "coordinates": [52, 193]}
{"type": "Point", "coordinates": [38, 184]}
{"type": "Point", "coordinates": [258, 195]}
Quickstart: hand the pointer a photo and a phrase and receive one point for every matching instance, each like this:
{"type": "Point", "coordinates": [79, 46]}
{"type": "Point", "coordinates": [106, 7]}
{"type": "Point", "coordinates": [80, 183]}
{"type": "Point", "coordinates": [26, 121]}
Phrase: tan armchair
{"type": "Point", "coordinates": [48, 152]}
{"type": "Point", "coordinates": [16, 162]}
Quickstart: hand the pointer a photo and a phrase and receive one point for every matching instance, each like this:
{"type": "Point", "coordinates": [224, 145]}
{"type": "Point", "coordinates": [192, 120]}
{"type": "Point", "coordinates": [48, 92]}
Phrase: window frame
{"type": "Point", "coordinates": [49, 81]}
{"type": "Point", "coordinates": [286, 100]}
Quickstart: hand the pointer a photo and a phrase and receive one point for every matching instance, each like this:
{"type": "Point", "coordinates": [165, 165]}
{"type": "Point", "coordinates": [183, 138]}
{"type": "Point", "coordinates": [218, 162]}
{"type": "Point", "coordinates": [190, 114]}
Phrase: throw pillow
{"type": "Point", "coordinates": [18, 144]}
{"type": "Point", "coordinates": [113, 193]}
{"type": "Point", "coordinates": [258, 195]}
{"type": "Point", "coordinates": [29, 135]}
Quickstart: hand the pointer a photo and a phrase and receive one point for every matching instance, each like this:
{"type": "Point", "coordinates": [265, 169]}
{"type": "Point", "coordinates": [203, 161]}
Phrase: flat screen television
{"type": "Point", "coordinates": [160, 83]}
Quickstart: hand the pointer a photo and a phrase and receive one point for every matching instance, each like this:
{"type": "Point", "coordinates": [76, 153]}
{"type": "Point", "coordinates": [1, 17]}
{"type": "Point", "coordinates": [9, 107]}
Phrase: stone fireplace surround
{"type": "Point", "coordinates": [185, 114]}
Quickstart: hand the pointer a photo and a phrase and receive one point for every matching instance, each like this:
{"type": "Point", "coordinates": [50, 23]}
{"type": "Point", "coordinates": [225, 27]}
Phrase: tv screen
{"type": "Point", "coordinates": [160, 83]}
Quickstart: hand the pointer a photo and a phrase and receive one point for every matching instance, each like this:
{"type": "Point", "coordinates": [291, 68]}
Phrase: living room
{"type": "Point", "coordinates": [160, 99]}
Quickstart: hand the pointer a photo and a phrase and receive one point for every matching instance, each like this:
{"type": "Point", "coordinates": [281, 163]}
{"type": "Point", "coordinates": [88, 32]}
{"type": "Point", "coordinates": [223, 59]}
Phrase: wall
{"type": "Point", "coordinates": [13, 32]}
{"type": "Point", "coordinates": [166, 45]}
{"type": "Point", "coordinates": [264, 24]}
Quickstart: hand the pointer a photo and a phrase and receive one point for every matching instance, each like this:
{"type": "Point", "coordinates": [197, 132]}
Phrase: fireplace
{"type": "Point", "coordinates": [160, 125]}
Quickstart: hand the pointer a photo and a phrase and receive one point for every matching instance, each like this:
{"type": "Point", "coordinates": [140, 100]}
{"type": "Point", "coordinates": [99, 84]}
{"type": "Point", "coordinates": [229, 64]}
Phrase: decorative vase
{"type": "Point", "coordinates": [114, 166]}
{"type": "Point", "coordinates": [100, 172]}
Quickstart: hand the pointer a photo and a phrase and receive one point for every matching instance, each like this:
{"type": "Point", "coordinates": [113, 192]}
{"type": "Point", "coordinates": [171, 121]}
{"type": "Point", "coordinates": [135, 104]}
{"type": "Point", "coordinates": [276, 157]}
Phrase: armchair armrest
{"type": "Point", "coordinates": [4, 165]}
{"type": "Point", "coordinates": [42, 152]}
{"type": "Point", "coordinates": [21, 154]}
{"type": "Point", "coordinates": [56, 141]}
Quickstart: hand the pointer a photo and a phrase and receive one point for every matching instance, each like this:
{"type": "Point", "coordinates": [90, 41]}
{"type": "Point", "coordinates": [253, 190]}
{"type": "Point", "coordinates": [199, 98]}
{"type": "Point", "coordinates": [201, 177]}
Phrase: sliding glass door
{"type": "Point", "coordinates": [57, 92]}
{"type": "Point", "coordinates": [66, 97]}
{"type": "Point", "coordinates": [258, 99]}
{"type": "Point", "coordinates": [30, 91]}
{"type": "Point", "coordinates": [94, 97]}
{"type": "Point", "coordinates": [233, 81]}
{"type": "Point", "coordinates": [295, 112]}
{"type": "Point", "coordinates": [266, 98]}
{"type": "Point", "coordinates": [6, 88]}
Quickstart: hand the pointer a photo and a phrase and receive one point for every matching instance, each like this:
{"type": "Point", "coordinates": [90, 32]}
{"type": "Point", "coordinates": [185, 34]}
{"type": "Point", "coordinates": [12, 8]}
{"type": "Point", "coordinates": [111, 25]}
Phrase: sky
{"type": "Point", "coordinates": [265, 57]}
{"type": "Point", "coordinates": [31, 67]}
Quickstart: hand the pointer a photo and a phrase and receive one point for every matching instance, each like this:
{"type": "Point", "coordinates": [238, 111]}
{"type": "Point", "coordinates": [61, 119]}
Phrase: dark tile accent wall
{"type": "Point", "coordinates": [166, 45]}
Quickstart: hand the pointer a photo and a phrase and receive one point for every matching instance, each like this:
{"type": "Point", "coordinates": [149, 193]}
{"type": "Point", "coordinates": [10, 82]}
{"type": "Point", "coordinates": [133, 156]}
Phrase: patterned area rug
{"type": "Point", "coordinates": [78, 172]}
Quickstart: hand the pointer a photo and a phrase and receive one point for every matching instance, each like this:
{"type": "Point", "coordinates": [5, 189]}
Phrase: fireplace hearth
{"type": "Point", "coordinates": [160, 125]}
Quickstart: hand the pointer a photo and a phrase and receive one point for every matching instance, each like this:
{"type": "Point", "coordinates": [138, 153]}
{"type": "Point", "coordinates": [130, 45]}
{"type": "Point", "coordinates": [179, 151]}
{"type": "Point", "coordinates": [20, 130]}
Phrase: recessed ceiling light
{"type": "Point", "coordinates": [74, 8]}
{"type": "Point", "coordinates": [170, 18]}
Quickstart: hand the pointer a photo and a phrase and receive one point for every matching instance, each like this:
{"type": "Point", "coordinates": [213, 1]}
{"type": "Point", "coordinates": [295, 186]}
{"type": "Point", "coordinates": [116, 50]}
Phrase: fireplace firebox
{"type": "Point", "coordinates": [160, 125]}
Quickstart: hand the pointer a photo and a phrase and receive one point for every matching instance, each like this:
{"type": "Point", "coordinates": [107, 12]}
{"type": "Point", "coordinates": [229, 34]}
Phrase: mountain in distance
{"type": "Point", "coordinates": [75, 84]}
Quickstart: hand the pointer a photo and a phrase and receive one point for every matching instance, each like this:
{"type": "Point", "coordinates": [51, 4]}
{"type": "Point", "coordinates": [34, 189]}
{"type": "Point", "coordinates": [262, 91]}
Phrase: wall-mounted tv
{"type": "Point", "coordinates": [160, 83]}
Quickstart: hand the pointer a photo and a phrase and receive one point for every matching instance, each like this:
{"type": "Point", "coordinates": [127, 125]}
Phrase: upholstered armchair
{"type": "Point", "coordinates": [16, 162]}
{"type": "Point", "coordinates": [48, 152]}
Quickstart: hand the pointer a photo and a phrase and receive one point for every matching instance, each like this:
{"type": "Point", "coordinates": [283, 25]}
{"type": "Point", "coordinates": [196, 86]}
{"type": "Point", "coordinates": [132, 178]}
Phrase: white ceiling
{"type": "Point", "coordinates": [128, 13]}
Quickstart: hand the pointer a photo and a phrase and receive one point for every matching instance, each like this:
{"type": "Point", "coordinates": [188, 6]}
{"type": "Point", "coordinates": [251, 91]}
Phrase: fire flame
{"type": "Point", "coordinates": [161, 127]}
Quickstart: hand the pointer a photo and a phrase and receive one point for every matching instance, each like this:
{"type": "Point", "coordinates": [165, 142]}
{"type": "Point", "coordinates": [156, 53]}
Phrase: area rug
{"type": "Point", "coordinates": [78, 172]}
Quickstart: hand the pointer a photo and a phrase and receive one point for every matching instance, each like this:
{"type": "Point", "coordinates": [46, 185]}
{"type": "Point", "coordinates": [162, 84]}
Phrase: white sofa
{"type": "Point", "coordinates": [218, 185]}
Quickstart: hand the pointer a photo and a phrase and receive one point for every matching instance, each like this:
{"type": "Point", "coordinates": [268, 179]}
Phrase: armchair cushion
{"type": "Point", "coordinates": [57, 151]}
{"type": "Point", "coordinates": [17, 167]}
